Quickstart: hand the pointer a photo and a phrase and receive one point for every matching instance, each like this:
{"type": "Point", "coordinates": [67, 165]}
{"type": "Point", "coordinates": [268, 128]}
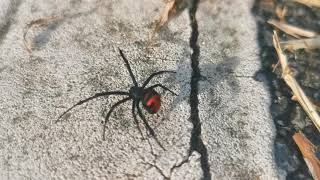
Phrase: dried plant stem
{"type": "Point", "coordinates": [292, 30]}
{"type": "Point", "coordinates": [315, 3]}
{"type": "Point", "coordinates": [310, 43]}
{"type": "Point", "coordinates": [308, 151]}
{"type": "Point", "coordinates": [167, 13]}
{"type": "Point", "coordinates": [298, 93]}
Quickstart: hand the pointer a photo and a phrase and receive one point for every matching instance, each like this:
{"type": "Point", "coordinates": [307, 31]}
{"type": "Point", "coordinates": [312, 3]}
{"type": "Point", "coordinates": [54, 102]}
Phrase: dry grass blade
{"type": "Point", "coordinates": [33, 24]}
{"type": "Point", "coordinates": [172, 9]}
{"type": "Point", "coordinates": [281, 12]}
{"type": "Point", "coordinates": [298, 93]}
{"type": "Point", "coordinates": [41, 21]}
{"type": "Point", "coordinates": [168, 12]}
{"type": "Point", "coordinates": [292, 30]}
{"type": "Point", "coordinates": [311, 43]}
{"type": "Point", "coordinates": [311, 3]}
{"type": "Point", "coordinates": [308, 151]}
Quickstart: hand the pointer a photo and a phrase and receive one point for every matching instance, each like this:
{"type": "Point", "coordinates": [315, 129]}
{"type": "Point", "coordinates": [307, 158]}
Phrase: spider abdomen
{"type": "Point", "coordinates": [151, 101]}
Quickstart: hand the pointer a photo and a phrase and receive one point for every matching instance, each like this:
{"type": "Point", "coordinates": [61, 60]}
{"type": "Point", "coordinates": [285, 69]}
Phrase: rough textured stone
{"type": "Point", "coordinates": [77, 56]}
{"type": "Point", "coordinates": [234, 107]}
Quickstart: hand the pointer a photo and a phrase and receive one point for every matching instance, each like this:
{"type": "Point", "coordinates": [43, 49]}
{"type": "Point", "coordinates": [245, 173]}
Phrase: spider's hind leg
{"type": "Point", "coordinates": [135, 118]}
{"type": "Point", "coordinates": [109, 114]}
{"type": "Point", "coordinates": [151, 131]}
{"type": "Point", "coordinates": [145, 122]}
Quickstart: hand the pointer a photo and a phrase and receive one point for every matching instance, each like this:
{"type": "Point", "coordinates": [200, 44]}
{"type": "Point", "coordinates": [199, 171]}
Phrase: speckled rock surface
{"type": "Point", "coordinates": [76, 56]}
{"type": "Point", "coordinates": [234, 105]}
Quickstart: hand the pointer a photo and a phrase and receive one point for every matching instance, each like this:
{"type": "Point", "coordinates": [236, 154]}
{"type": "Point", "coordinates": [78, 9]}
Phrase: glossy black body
{"type": "Point", "coordinates": [136, 93]}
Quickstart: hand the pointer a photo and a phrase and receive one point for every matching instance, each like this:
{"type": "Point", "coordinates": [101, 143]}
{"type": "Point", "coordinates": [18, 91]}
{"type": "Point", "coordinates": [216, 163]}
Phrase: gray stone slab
{"type": "Point", "coordinates": [234, 108]}
{"type": "Point", "coordinates": [77, 56]}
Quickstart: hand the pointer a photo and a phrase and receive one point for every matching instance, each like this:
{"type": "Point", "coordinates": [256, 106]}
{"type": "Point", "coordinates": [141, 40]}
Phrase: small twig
{"type": "Point", "coordinates": [310, 43]}
{"type": "Point", "coordinates": [311, 3]}
{"type": "Point", "coordinates": [172, 9]}
{"type": "Point", "coordinates": [274, 67]}
{"type": "Point", "coordinates": [298, 93]}
{"type": "Point", "coordinates": [168, 12]}
{"type": "Point", "coordinates": [308, 151]}
{"type": "Point", "coordinates": [33, 24]}
{"type": "Point", "coordinates": [292, 30]}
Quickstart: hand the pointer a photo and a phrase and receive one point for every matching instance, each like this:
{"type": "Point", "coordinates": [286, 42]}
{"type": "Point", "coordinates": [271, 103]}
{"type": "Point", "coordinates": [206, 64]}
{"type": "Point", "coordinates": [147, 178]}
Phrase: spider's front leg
{"type": "Point", "coordinates": [91, 98]}
{"type": "Point", "coordinates": [163, 87]}
{"type": "Point", "coordinates": [128, 68]}
{"type": "Point", "coordinates": [146, 82]}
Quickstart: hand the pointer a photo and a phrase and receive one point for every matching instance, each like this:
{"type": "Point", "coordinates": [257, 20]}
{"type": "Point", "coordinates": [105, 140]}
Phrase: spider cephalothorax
{"type": "Point", "coordinates": [148, 96]}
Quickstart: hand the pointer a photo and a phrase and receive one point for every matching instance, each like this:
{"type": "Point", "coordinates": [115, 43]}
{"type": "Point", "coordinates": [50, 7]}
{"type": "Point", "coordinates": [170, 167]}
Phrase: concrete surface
{"type": "Point", "coordinates": [234, 106]}
{"type": "Point", "coordinates": [77, 56]}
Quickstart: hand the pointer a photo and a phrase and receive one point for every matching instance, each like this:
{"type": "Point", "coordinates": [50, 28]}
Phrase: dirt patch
{"type": "Point", "coordinates": [288, 115]}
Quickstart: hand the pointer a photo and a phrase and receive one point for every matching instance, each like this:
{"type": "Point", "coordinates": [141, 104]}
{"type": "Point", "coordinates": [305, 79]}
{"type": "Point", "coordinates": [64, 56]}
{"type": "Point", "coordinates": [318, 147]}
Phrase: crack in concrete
{"type": "Point", "coordinates": [159, 170]}
{"type": "Point", "coordinates": [196, 143]}
{"type": "Point", "coordinates": [171, 169]}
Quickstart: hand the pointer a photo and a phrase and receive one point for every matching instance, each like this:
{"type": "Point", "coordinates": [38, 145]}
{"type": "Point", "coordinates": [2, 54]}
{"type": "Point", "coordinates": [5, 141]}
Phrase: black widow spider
{"type": "Point", "coordinates": [150, 99]}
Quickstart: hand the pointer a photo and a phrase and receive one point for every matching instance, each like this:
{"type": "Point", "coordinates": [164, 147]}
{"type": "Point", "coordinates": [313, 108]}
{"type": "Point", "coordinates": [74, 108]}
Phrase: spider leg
{"type": "Point", "coordinates": [128, 67]}
{"type": "Point", "coordinates": [135, 118]}
{"type": "Point", "coordinates": [109, 113]}
{"type": "Point", "coordinates": [153, 75]}
{"type": "Point", "coordinates": [92, 97]}
{"type": "Point", "coordinates": [163, 87]}
{"type": "Point", "coordinates": [145, 122]}
{"type": "Point", "coordinates": [151, 131]}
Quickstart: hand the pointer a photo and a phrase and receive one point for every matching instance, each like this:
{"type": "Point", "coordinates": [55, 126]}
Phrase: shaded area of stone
{"type": "Point", "coordinates": [237, 128]}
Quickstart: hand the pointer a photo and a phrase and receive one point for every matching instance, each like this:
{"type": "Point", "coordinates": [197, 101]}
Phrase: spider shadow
{"type": "Point", "coordinates": [211, 76]}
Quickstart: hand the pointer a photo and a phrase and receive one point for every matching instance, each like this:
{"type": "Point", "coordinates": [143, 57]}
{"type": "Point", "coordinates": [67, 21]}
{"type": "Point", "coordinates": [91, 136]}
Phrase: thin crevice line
{"type": "Point", "coordinates": [196, 143]}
